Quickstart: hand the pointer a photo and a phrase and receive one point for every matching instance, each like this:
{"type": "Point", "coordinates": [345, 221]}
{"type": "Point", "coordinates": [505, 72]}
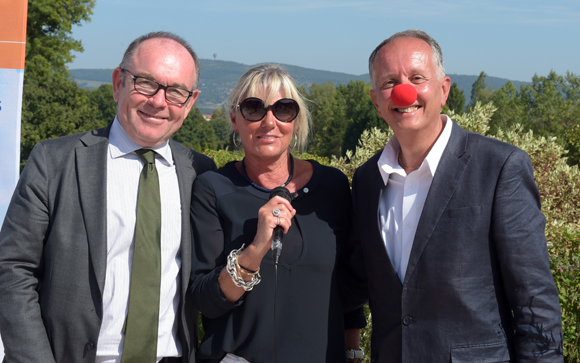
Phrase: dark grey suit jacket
{"type": "Point", "coordinates": [478, 286]}
{"type": "Point", "coordinates": [53, 247]}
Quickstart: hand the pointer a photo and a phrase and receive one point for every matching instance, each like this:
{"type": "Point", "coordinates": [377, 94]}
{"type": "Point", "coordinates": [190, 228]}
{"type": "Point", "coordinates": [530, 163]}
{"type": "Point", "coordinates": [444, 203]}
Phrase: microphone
{"type": "Point", "coordinates": [404, 95]}
{"type": "Point", "coordinates": [278, 231]}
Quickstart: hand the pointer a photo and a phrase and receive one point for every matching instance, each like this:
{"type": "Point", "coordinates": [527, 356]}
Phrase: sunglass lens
{"type": "Point", "coordinates": [285, 109]}
{"type": "Point", "coordinates": [252, 109]}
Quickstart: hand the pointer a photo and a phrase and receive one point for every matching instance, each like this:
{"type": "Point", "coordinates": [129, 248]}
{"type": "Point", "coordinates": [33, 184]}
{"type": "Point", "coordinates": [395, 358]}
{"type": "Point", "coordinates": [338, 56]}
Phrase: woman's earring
{"type": "Point", "coordinates": [236, 142]}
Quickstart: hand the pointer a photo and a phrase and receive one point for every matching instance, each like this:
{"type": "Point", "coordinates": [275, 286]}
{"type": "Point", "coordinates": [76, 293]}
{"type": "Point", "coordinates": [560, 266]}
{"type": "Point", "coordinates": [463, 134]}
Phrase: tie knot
{"type": "Point", "coordinates": [147, 155]}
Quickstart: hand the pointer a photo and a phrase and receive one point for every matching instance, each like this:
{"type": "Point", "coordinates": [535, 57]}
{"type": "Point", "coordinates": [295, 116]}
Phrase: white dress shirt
{"type": "Point", "coordinates": [403, 197]}
{"type": "Point", "coordinates": [123, 172]}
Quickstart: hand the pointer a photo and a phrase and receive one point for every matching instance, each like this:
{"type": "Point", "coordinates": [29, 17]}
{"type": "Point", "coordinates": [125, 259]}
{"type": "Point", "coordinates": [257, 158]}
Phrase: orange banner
{"type": "Point", "coordinates": [13, 33]}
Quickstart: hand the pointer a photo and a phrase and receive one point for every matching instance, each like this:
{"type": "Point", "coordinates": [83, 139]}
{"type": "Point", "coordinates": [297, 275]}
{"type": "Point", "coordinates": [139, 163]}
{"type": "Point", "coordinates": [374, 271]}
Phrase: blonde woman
{"type": "Point", "coordinates": [253, 309]}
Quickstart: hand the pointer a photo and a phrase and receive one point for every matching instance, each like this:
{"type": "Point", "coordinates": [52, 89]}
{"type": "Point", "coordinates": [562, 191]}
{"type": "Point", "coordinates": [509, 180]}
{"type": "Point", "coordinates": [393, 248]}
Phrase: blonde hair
{"type": "Point", "coordinates": [270, 79]}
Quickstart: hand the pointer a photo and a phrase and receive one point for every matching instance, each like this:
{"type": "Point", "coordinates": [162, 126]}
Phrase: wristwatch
{"type": "Point", "coordinates": [355, 354]}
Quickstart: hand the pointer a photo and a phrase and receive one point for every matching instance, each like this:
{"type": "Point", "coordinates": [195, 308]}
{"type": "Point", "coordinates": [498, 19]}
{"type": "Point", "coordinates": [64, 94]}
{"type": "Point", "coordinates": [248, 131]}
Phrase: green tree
{"type": "Point", "coordinates": [102, 99]}
{"type": "Point", "coordinates": [49, 44]}
{"type": "Point", "coordinates": [51, 108]}
{"type": "Point", "coordinates": [52, 104]}
{"type": "Point", "coordinates": [219, 113]}
{"type": "Point", "coordinates": [360, 114]}
{"type": "Point", "coordinates": [222, 129]}
{"type": "Point", "coordinates": [455, 101]}
{"type": "Point", "coordinates": [340, 115]}
{"type": "Point", "coordinates": [551, 102]}
{"type": "Point", "coordinates": [511, 109]}
{"type": "Point", "coordinates": [196, 133]}
{"type": "Point", "coordinates": [550, 106]}
{"type": "Point", "coordinates": [480, 91]}
{"type": "Point", "coordinates": [325, 117]}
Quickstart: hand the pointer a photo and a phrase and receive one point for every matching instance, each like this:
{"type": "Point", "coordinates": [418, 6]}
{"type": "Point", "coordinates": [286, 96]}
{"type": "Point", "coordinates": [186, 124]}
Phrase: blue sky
{"type": "Point", "coordinates": [508, 39]}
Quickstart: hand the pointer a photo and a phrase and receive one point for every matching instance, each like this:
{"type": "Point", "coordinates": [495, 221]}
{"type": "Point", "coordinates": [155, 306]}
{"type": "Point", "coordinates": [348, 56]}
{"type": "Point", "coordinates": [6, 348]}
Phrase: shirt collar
{"type": "Point", "coordinates": [121, 144]}
{"type": "Point", "coordinates": [388, 162]}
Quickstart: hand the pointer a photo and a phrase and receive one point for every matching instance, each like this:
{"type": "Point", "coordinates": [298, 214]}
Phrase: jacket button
{"type": "Point", "coordinates": [89, 346]}
{"type": "Point", "coordinates": [407, 320]}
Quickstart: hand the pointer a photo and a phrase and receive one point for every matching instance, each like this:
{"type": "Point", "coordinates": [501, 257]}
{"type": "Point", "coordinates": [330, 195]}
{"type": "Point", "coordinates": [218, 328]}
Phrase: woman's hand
{"type": "Point", "coordinates": [277, 212]}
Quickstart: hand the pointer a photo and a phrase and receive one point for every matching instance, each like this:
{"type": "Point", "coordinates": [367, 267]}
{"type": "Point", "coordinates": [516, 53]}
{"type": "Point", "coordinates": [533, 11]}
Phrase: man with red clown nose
{"type": "Point", "coordinates": [448, 226]}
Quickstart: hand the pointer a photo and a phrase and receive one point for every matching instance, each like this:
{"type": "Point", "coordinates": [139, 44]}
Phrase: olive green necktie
{"type": "Point", "coordinates": [142, 321]}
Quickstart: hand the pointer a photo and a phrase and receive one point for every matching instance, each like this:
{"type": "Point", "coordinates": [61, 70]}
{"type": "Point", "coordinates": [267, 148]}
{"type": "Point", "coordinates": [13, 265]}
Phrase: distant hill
{"type": "Point", "coordinates": [218, 78]}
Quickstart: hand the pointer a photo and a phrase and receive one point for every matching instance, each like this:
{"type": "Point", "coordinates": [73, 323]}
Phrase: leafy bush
{"type": "Point", "coordinates": [222, 157]}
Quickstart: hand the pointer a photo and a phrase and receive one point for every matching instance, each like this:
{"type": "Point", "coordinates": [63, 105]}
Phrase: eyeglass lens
{"type": "Point", "coordinates": [149, 88]}
{"type": "Point", "coordinates": [285, 109]}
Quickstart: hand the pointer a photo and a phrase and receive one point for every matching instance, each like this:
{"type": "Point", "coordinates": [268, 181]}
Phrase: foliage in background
{"type": "Point", "coordinates": [480, 91]}
{"type": "Point", "coordinates": [371, 142]}
{"type": "Point", "coordinates": [105, 106]}
{"type": "Point", "coordinates": [573, 136]}
{"type": "Point", "coordinates": [52, 104]}
{"type": "Point", "coordinates": [49, 44]}
{"type": "Point", "coordinates": [559, 186]}
{"type": "Point", "coordinates": [222, 157]}
{"type": "Point", "coordinates": [196, 133]}
{"type": "Point", "coordinates": [550, 106]}
{"type": "Point", "coordinates": [455, 100]}
{"type": "Point", "coordinates": [53, 107]}
{"type": "Point", "coordinates": [340, 115]}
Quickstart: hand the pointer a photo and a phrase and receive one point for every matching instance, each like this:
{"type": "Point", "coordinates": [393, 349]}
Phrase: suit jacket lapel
{"type": "Point", "coordinates": [91, 166]}
{"type": "Point", "coordinates": [449, 171]}
{"type": "Point", "coordinates": [374, 186]}
{"type": "Point", "coordinates": [376, 190]}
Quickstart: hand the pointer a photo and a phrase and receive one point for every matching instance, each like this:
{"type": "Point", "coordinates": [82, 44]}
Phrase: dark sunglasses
{"type": "Point", "coordinates": [285, 109]}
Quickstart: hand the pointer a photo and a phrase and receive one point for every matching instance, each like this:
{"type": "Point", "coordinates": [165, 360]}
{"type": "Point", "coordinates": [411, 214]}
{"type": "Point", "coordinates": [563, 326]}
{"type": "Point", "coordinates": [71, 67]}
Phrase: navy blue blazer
{"type": "Point", "coordinates": [478, 285]}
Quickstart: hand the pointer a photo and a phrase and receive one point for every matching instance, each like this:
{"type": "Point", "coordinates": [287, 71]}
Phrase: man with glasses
{"type": "Point", "coordinates": [95, 249]}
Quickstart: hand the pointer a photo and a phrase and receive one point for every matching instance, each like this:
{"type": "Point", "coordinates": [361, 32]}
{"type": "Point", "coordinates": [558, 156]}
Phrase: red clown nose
{"type": "Point", "coordinates": [404, 95]}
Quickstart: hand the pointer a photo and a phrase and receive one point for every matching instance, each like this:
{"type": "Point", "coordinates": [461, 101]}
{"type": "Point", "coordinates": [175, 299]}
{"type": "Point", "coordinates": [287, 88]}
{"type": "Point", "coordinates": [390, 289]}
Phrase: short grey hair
{"type": "Point", "coordinates": [132, 49]}
{"type": "Point", "coordinates": [418, 34]}
{"type": "Point", "coordinates": [271, 78]}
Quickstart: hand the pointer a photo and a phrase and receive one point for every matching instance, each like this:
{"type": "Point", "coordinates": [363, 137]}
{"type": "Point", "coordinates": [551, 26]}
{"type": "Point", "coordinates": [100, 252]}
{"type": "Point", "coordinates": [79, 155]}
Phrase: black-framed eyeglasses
{"type": "Point", "coordinates": [150, 87]}
{"type": "Point", "coordinates": [253, 109]}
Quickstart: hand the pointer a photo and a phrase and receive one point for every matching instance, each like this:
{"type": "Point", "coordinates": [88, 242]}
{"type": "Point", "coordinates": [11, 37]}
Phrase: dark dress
{"type": "Point", "coordinates": [309, 316]}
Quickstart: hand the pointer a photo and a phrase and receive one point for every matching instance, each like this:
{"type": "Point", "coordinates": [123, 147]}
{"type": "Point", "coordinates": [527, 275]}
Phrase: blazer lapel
{"type": "Point", "coordinates": [370, 199]}
{"type": "Point", "coordinates": [91, 166]}
{"type": "Point", "coordinates": [449, 171]}
{"type": "Point", "coordinates": [376, 190]}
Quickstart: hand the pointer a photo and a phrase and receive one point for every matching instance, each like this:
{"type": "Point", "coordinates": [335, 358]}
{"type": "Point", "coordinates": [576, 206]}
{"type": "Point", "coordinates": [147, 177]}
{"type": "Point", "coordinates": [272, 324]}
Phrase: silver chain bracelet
{"type": "Point", "coordinates": [233, 271]}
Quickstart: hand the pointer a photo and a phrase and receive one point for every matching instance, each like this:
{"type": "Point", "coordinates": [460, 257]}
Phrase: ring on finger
{"type": "Point", "coordinates": [276, 212]}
